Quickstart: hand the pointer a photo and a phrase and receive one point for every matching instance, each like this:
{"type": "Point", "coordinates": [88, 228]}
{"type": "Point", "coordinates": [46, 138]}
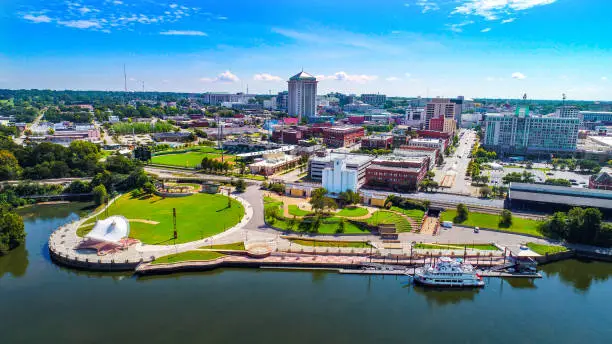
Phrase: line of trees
{"type": "Point", "coordinates": [579, 225]}
{"type": "Point", "coordinates": [213, 165]}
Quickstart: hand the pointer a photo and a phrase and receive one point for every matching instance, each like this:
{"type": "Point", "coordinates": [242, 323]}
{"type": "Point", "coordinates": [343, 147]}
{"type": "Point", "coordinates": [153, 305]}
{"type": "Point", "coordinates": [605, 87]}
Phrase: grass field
{"type": "Point", "coordinates": [294, 210]}
{"type": "Point", "coordinates": [415, 214]}
{"type": "Point", "coordinates": [519, 225]}
{"type": "Point", "coordinates": [198, 216]}
{"type": "Point", "coordinates": [192, 158]}
{"type": "Point", "coordinates": [352, 212]}
{"type": "Point", "coordinates": [388, 217]}
{"type": "Point", "coordinates": [187, 256]}
{"type": "Point", "coordinates": [544, 249]}
{"type": "Point", "coordinates": [239, 246]}
{"type": "Point", "coordinates": [484, 247]}
{"type": "Point", "coordinates": [321, 243]}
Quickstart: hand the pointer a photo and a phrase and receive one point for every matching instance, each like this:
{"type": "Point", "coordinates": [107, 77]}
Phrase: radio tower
{"type": "Point", "coordinates": [124, 79]}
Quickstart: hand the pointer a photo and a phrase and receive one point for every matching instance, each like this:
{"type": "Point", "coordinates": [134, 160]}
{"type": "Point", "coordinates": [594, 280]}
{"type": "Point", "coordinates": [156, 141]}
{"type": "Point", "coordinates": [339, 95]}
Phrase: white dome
{"type": "Point", "coordinates": [111, 229]}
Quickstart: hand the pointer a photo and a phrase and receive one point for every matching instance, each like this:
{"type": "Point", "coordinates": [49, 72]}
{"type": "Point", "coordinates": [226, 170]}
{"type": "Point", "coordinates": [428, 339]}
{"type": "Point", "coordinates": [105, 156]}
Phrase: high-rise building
{"type": "Point", "coordinates": [374, 99]}
{"type": "Point", "coordinates": [443, 113]}
{"type": "Point", "coordinates": [302, 95]}
{"type": "Point", "coordinates": [281, 101]}
{"type": "Point", "coordinates": [567, 112]}
{"type": "Point", "coordinates": [523, 133]}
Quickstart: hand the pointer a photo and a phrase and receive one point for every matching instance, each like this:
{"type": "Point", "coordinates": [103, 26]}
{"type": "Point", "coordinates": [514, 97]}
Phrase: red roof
{"type": "Point", "coordinates": [290, 120]}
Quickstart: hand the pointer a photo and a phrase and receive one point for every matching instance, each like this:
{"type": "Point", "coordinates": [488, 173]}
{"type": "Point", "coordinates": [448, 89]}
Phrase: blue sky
{"type": "Point", "coordinates": [476, 48]}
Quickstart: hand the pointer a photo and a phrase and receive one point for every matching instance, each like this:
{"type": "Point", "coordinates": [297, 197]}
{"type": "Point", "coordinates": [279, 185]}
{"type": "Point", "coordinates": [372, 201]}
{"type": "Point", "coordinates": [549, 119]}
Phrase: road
{"type": "Point", "coordinates": [19, 140]}
{"type": "Point", "coordinates": [456, 165]}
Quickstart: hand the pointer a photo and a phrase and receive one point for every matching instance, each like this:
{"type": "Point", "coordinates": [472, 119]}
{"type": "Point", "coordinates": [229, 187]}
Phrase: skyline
{"type": "Point", "coordinates": [475, 48]}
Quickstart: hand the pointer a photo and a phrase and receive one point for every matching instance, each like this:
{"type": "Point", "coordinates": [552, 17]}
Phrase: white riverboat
{"type": "Point", "coordinates": [447, 272]}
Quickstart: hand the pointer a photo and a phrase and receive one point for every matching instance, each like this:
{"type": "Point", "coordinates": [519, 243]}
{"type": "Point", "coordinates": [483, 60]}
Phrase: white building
{"type": "Point", "coordinates": [415, 117]}
{"type": "Point", "coordinates": [567, 112]}
{"type": "Point", "coordinates": [426, 142]}
{"type": "Point", "coordinates": [270, 104]}
{"type": "Point", "coordinates": [302, 95]}
{"type": "Point", "coordinates": [339, 178]}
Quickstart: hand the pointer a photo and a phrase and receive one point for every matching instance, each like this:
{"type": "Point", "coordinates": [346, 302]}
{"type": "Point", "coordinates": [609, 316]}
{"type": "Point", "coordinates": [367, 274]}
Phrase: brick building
{"type": "Point", "coordinates": [602, 180]}
{"type": "Point", "coordinates": [342, 136]}
{"type": "Point", "coordinates": [397, 173]}
{"type": "Point", "coordinates": [377, 142]}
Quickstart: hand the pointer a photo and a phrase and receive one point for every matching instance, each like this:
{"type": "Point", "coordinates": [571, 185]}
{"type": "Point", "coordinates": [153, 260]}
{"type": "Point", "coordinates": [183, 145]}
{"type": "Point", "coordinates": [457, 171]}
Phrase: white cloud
{"type": "Point", "coordinates": [266, 77]}
{"type": "Point", "coordinates": [343, 76]}
{"type": "Point", "coordinates": [81, 24]}
{"type": "Point", "coordinates": [427, 5]}
{"type": "Point", "coordinates": [604, 78]}
{"type": "Point", "coordinates": [173, 5]}
{"type": "Point", "coordinates": [408, 75]}
{"type": "Point", "coordinates": [458, 27]}
{"type": "Point", "coordinates": [518, 76]}
{"type": "Point", "coordinates": [509, 20]}
{"type": "Point", "coordinates": [37, 18]}
{"type": "Point", "coordinates": [393, 78]}
{"type": "Point", "coordinates": [118, 2]}
{"type": "Point", "coordinates": [222, 18]}
{"type": "Point", "coordinates": [494, 9]}
{"type": "Point", "coordinates": [225, 77]}
{"type": "Point", "coordinates": [485, 30]}
{"type": "Point", "coordinates": [84, 10]}
{"type": "Point", "coordinates": [183, 33]}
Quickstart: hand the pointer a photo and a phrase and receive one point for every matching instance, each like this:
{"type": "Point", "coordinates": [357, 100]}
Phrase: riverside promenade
{"type": "Point", "coordinates": [63, 241]}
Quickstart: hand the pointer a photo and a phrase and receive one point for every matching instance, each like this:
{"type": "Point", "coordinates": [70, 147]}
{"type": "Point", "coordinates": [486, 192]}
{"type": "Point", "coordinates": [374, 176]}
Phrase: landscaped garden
{"type": "Point", "coordinates": [546, 249]}
{"type": "Point", "coordinates": [519, 225]}
{"type": "Point", "coordinates": [328, 243]}
{"type": "Point", "coordinates": [191, 157]}
{"type": "Point", "coordinates": [198, 216]}
{"type": "Point", "coordinates": [352, 212]}
{"type": "Point", "coordinates": [295, 210]}
{"type": "Point", "coordinates": [389, 217]}
{"type": "Point", "coordinates": [483, 247]}
{"type": "Point", "coordinates": [188, 256]}
{"type": "Point", "coordinates": [322, 223]}
{"type": "Point", "coordinates": [415, 214]}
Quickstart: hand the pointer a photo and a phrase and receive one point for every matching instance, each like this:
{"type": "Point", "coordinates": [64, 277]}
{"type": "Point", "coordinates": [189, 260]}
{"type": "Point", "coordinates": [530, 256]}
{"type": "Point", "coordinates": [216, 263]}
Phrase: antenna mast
{"type": "Point", "coordinates": [124, 79]}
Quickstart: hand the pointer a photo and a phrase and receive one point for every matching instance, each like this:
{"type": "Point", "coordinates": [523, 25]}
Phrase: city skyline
{"type": "Point", "coordinates": [478, 48]}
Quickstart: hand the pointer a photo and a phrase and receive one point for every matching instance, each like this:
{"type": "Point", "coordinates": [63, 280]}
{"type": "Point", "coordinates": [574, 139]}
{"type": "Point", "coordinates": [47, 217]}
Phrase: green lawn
{"type": "Point", "coordinates": [239, 246]}
{"type": "Point", "coordinates": [484, 247]}
{"type": "Point", "coordinates": [192, 158]}
{"type": "Point", "coordinates": [321, 243]}
{"type": "Point", "coordinates": [294, 210]}
{"type": "Point", "coordinates": [388, 217]}
{"type": "Point", "coordinates": [519, 225]}
{"type": "Point", "coordinates": [198, 216]}
{"type": "Point", "coordinates": [188, 256]}
{"type": "Point", "coordinates": [415, 214]}
{"type": "Point", "coordinates": [544, 249]}
{"type": "Point", "coordinates": [352, 212]}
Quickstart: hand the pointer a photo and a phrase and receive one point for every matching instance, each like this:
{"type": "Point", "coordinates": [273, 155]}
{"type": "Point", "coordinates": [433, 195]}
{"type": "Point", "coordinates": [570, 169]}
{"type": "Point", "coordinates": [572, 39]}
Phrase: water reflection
{"type": "Point", "coordinates": [15, 263]}
{"type": "Point", "coordinates": [445, 296]}
{"type": "Point", "coordinates": [579, 274]}
{"type": "Point", "coordinates": [521, 283]}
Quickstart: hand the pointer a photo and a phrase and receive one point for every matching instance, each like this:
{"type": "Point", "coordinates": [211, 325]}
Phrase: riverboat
{"type": "Point", "coordinates": [447, 272]}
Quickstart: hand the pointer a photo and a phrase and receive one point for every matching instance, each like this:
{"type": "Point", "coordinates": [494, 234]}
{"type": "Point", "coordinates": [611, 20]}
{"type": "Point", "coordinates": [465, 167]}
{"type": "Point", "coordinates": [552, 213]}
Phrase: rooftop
{"type": "Point", "coordinates": [395, 168]}
{"type": "Point", "coordinates": [303, 76]}
{"type": "Point", "coordinates": [358, 159]}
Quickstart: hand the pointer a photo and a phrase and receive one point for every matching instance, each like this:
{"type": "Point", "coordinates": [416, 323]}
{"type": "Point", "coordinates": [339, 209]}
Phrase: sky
{"type": "Point", "coordinates": [428, 48]}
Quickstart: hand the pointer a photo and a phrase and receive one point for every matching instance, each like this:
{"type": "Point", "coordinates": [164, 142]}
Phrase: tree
{"type": "Point", "coordinates": [271, 213]}
{"type": "Point", "coordinates": [341, 226]}
{"type": "Point", "coordinates": [240, 185]}
{"type": "Point", "coordinates": [142, 153]}
{"type": "Point", "coordinates": [485, 191]}
{"type": "Point", "coordinates": [349, 197]}
{"type": "Point", "coordinates": [9, 166]}
{"type": "Point", "coordinates": [148, 188]}
{"type": "Point", "coordinates": [317, 199]}
{"type": "Point", "coordinates": [241, 167]}
{"type": "Point", "coordinates": [12, 230]}
{"type": "Point", "coordinates": [462, 213]}
{"type": "Point", "coordinates": [100, 194]}
{"type": "Point", "coordinates": [505, 219]}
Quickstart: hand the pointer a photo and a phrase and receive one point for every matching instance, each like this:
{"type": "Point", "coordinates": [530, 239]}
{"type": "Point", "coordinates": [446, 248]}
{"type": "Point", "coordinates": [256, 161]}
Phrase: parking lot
{"type": "Point", "coordinates": [541, 174]}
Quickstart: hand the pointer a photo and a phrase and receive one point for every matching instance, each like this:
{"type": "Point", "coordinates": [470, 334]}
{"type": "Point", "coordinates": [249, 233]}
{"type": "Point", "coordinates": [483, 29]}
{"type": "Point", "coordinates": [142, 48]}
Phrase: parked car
{"type": "Point", "coordinates": [476, 229]}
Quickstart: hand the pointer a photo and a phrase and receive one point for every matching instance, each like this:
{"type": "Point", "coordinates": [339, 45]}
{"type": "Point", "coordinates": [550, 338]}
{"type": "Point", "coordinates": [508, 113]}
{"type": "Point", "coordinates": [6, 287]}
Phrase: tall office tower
{"type": "Point", "coordinates": [302, 95]}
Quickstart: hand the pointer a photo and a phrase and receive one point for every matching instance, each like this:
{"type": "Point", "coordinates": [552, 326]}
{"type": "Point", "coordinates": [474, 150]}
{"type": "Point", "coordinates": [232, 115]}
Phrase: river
{"type": "Point", "coordinates": [42, 302]}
